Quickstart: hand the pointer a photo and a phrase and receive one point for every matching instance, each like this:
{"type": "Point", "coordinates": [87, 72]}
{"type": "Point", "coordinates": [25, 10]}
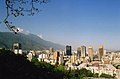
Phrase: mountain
{"type": "Point", "coordinates": [28, 41]}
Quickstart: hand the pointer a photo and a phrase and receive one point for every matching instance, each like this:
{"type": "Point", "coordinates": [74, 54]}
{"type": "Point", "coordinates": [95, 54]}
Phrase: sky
{"type": "Point", "coordinates": [74, 22]}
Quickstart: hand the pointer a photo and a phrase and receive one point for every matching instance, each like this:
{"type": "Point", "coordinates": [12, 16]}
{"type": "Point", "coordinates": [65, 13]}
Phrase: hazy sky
{"type": "Point", "coordinates": [74, 22]}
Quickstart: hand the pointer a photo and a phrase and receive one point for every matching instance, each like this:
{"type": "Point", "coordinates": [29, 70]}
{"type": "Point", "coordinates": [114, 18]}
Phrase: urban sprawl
{"type": "Point", "coordinates": [99, 61]}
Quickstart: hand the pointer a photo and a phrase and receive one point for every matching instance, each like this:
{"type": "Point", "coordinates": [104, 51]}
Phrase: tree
{"type": "Point", "coordinates": [78, 74]}
{"type": "Point", "coordinates": [96, 75]}
{"type": "Point", "coordinates": [16, 66]}
{"type": "Point", "coordinates": [106, 75]}
{"type": "Point", "coordinates": [85, 73]}
{"type": "Point", "coordinates": [18, 8]}
{"type": "Point", "coordinates": [60, 68]}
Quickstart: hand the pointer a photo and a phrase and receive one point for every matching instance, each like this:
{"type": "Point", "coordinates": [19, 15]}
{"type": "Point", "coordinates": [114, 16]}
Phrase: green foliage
{"type": "Point", "coordinates": [96, 75]}
{"type": "Point", "coordinates": [14, 66]}
{"type": "Point", "coordinates": [52, 71]}
{"type": "Point", "coordinates": [42, 65]}
{"type": "Point", "coordinates": [78, 74]}
{"type": "Point", "coordinates": [60, 68]}
{"type": "Point", "coordinates": [85, 73]}
{"type": "Point", "coordinates": [106, 75]}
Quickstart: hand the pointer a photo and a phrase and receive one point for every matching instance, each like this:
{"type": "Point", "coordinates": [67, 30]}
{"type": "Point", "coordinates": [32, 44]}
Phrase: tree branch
{"type": "Point", "coordinates": [16, 8]}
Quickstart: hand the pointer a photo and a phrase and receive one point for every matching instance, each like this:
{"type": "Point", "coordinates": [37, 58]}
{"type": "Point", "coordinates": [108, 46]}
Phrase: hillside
{"type": "Point", "coordinates": [28, 41]}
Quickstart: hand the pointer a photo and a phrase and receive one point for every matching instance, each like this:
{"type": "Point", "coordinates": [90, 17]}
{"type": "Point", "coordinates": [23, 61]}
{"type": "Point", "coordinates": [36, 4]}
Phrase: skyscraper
{"type": "Point", "coordinates": [51, 50]}
{"type": "Point", "coordinates": [100, 52]}
{"type": "Point", "coordinates": [79, 51]}
{"type": "Point", "coordinates": [90, 52]}
{"type": "Point", "coordinates": [83, 51]}
{"type": "Point", "coordinates": [56, 56]}
{"type": "Point", "coordinates": [68, 50]}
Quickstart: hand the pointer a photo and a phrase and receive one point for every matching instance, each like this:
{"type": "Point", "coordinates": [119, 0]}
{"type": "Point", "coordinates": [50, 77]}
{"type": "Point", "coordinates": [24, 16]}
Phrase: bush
{"type": "Point", "coordinates": [106, 75]}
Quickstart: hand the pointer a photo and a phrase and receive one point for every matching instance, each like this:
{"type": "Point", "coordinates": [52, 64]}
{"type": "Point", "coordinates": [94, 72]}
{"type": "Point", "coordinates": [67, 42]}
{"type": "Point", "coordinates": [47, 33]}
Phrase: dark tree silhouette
{"type": "Point", "coordinates": [18, 8]}
{"type": "Point", "coordinates": [14, 66]}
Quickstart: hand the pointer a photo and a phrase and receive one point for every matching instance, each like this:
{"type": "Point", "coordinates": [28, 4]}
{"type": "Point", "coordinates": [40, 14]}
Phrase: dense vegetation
{"type": "Point", "coordinates": [14, 66]}
{"type": "Point", "coordinates": [28, 41]}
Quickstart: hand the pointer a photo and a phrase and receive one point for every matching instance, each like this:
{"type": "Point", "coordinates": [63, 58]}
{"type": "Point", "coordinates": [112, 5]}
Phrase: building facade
{"type": "Point", "coordinates": [68, 50]}
{"type": "Point", "coordinates": [83, 51]}
{"type": "Point", "coordinates": [100, 52]}
{"type": "Point", "coordinates": [51, 50]}
{"type": "Point", "coordinates": [17, 48]}
{"type": "Point", "coordinates": [90, 52]}
{"type": "Point", "coordinates": [79, 51]}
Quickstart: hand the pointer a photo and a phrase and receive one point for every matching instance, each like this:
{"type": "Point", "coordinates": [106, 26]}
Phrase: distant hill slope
{"type": "Point", "coordinates": [28, 41]}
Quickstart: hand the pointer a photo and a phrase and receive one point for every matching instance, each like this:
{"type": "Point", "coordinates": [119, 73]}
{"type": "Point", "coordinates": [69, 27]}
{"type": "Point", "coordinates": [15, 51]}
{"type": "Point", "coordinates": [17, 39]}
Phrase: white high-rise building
{"type": "Point", "coordinates": [17, 48]}
{"type": "Point", "coordinates": [83, 51]}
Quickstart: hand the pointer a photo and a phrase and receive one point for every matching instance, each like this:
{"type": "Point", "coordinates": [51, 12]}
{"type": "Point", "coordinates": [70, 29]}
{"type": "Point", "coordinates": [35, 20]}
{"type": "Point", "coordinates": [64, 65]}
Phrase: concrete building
{"type": "Point", "coordinates": [17, 48]}
{"type": "Point", "coordinates": [29, 56]}
{"type": "Point", "coordinates": [90, 52]}
{"type": "Point", "coordinates": [61, 60]}
{"type": "Point", "coordinates": [100, 52]}
{"type": "Point", "coordinates": [106, 59]}
{"type": "Point", "coordinates": [56, 56]}
{"type": "Point", "coordinates": [83, 51]}
{"type": "Point", "coordinates": [51, 50]}
{"type": "Point", "coordinates": [42, 56]}
{"type": "Point", "coordinates": [79, 51]}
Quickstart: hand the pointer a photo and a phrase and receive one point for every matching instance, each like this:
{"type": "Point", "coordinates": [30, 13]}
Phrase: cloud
{"type": "Point", "coordinates": [23, 31]}
{"type": "Point", "coordinates": [40, 35]}
{"type": "Point", "coordinates": [26, 32]}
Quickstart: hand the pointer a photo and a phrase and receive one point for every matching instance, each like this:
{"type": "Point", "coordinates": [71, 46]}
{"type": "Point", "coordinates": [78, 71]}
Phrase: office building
{"type": "Point", "coordinates": [68, 50]}
{"type": "Point", "coordinates": [51, 50]}
{"type": "Point", "coordinates": [100, 52]}
{"type": "Point", "coordinates": [61, 59]}
{"type": "Point", "coordinates": [79, 51]}
{"type": "Point", "coordinates": [83, 51]}
{"type": "Point", "coordinates": [56, 56]}
{"type": "Point", "coordinates": [90, 52]}
{"type": "Point", "coordinates": [17, 48]}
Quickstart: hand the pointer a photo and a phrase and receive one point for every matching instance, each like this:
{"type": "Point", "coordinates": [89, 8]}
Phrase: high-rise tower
{"type": "Point", "coordinates": [68, 50]}
{"type": "Point", "coordinates": [51, 50]}
{"type": "Point", "coordinates": [79, 51]}
{"type": "Point", "coordinates": [100, 52]}
{"type": "Point", "coordinates": [90, 52]}
{"type": "Point", "coordinates": [83, 51]}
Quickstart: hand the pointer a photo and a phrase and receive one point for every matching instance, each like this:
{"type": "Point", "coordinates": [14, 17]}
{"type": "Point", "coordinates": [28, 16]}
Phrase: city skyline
{"type": "Point", "coordinates": [73, 22]}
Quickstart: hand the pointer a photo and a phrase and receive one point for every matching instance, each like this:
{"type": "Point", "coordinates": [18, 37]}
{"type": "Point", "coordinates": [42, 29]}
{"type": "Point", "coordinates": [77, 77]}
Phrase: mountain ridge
{"type": "Point", "coordinates": [28, 41]}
